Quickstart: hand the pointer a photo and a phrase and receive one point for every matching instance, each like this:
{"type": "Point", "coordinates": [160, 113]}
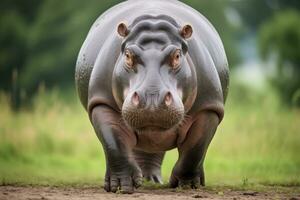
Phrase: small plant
{"type": "Point", "coordinates": [245, 182]}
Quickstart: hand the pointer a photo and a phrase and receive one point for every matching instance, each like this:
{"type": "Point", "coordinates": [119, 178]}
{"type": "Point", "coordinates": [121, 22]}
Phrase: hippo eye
{"type": "Point", "coordinates": [129, 59]}
{"type": "Point", "coordinates": [176, 59]}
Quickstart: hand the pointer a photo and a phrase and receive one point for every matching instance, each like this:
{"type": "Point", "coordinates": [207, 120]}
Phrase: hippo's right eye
{"type": "Point", "coordinates": [176, 59]}
{"type": "Point", "coordinates": [129, 59]}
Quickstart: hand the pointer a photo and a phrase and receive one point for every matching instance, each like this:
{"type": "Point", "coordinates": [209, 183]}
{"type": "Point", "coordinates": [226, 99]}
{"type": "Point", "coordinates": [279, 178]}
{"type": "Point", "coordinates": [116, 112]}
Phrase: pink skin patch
{"type": "Point", "coordinates": [135, 99]}
{"type": "Point", "coordinates": [168, 99]}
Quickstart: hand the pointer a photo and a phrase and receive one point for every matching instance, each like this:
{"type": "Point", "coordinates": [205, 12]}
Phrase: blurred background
{"type": "Point", "coordinates": [45, 134]}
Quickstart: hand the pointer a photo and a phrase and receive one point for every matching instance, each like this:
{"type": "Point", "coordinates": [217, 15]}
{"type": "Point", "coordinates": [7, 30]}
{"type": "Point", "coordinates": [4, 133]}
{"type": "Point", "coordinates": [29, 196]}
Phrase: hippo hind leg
{"type": "Point", "coordinates": [150, 164]}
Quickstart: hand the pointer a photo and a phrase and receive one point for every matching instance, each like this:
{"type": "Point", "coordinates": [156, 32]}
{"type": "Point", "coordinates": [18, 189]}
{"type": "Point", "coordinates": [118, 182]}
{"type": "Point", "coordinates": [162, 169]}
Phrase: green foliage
{"type": "Point", "coordinates": [255, 12]}
{"type": "Point", "coordinates": [55, 40]}
{"type": "Point", "coordinates": [40, 40]}
{"type": "Point", "coordinates": [215, 12]}
{"type": "Point", "coordinates": [280, 36]}
{"type": "Point", "coordinates": [15, 21]}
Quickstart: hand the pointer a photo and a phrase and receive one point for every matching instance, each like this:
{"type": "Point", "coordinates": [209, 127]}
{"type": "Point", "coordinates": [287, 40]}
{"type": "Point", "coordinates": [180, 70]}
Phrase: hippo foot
{"type": "Point", "coordinates": [124, 181]}
{"type": "Point", "coordinates": [150, 164]}
{"type": "Point", "coordinates": [185, 183]}
{"type": "Point", "coordinates": [152, 176]}
{"type": "Point", "coordinates": [187, 179]}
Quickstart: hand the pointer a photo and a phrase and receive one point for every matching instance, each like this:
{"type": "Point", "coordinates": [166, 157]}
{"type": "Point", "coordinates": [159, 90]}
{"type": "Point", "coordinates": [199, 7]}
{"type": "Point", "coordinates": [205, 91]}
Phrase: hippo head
{"type": "Point", "coordinates": [154, 82]}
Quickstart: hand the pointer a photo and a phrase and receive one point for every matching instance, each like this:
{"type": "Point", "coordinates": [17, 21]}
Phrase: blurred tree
{"type": "Point", "coordinates": [256, 12]}
{"type": "Point", "coordinates": [55, 41]}
{"type": "Point", "coordinates": [281, 36]}
{"type": "Point", "coordinates": [16, 16]}
{"type": "Point", "coordinates": [215, 11]}
{"type": "Point", "coordinates": [40, 39]}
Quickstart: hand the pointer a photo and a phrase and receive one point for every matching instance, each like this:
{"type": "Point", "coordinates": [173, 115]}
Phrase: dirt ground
{"type": "Point", "coordinates": [63, 193]}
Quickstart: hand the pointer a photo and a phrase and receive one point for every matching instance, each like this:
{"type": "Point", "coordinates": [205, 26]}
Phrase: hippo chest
{"type": "Point", "coordinates": [156, 141]}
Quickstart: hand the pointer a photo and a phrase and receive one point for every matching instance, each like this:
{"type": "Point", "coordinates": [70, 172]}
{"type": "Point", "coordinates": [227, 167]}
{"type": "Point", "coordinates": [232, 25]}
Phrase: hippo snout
{"type": "Point", "coordinates": [152, 100]}
{"type": "Point", "coordinates": [155, 110]}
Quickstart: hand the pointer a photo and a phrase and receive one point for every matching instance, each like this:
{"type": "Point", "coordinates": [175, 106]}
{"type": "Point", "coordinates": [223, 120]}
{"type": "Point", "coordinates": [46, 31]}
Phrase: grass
{"type": "Point", "coordinates": [53, 143]}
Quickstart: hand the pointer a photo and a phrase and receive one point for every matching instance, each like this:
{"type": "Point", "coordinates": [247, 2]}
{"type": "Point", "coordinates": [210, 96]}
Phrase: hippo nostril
{"type": "Point", "coordinates": [168, 99]}
{"type": "Point", "coordinates": [135, 99]}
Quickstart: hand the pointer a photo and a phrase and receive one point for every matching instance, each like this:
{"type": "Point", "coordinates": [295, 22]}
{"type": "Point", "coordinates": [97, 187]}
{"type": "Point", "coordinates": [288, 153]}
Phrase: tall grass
{"type": "Point", "coordinates": [258, 142]}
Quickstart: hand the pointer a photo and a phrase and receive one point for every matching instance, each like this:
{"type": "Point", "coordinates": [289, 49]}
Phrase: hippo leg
{"type": "Point", "coordinates": [122, 172]}
{"type": "Point", "coordinates": [150, 163]}
{"type": "Point", "coordinates": [188, 170]}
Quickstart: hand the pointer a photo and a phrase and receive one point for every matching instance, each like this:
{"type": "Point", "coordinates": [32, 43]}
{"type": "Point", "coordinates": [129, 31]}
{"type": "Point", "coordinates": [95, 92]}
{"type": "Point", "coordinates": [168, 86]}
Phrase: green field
{"type": "Point", "coordinates": [53, 143]}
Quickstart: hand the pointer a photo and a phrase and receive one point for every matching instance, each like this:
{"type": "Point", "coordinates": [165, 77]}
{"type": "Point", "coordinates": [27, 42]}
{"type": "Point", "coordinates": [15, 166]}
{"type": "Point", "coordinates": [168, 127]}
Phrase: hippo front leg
{"type": "Point", "coordinates": [122, 172]}
{"type": "Point", "coordinates": [188, 170]}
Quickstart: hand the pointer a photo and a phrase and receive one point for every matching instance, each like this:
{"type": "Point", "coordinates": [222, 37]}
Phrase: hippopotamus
{"type": "Point", "coordinates": [153, 76]}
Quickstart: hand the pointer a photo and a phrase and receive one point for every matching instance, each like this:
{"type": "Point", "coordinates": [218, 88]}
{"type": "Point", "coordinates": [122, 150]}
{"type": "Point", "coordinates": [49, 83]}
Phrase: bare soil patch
{"type": "Point", "coordinates": [73, 193]}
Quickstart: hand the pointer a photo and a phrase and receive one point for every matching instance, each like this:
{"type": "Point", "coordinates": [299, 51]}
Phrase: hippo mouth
{"type": "Point", "coordinates": [158, 120]}
{"type": "Point", "coordinates": [151, 127]}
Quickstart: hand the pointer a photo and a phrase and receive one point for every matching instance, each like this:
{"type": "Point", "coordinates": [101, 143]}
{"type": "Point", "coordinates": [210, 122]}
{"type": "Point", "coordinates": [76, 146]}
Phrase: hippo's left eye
{"type": "Point", "coordinates": [129, 59]}
{"type": "Point", "coordinates": [175, 59]}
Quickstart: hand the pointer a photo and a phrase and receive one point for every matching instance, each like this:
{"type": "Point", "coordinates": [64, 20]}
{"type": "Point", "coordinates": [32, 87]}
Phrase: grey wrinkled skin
{"type": "Point", "coordinates": [139, 112]}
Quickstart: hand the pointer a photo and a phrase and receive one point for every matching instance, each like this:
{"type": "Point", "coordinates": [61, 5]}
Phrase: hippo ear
{"type": "Point", "coordinates": [186, 31]}
{"type": "Point", "coordinates": [122, 29]}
